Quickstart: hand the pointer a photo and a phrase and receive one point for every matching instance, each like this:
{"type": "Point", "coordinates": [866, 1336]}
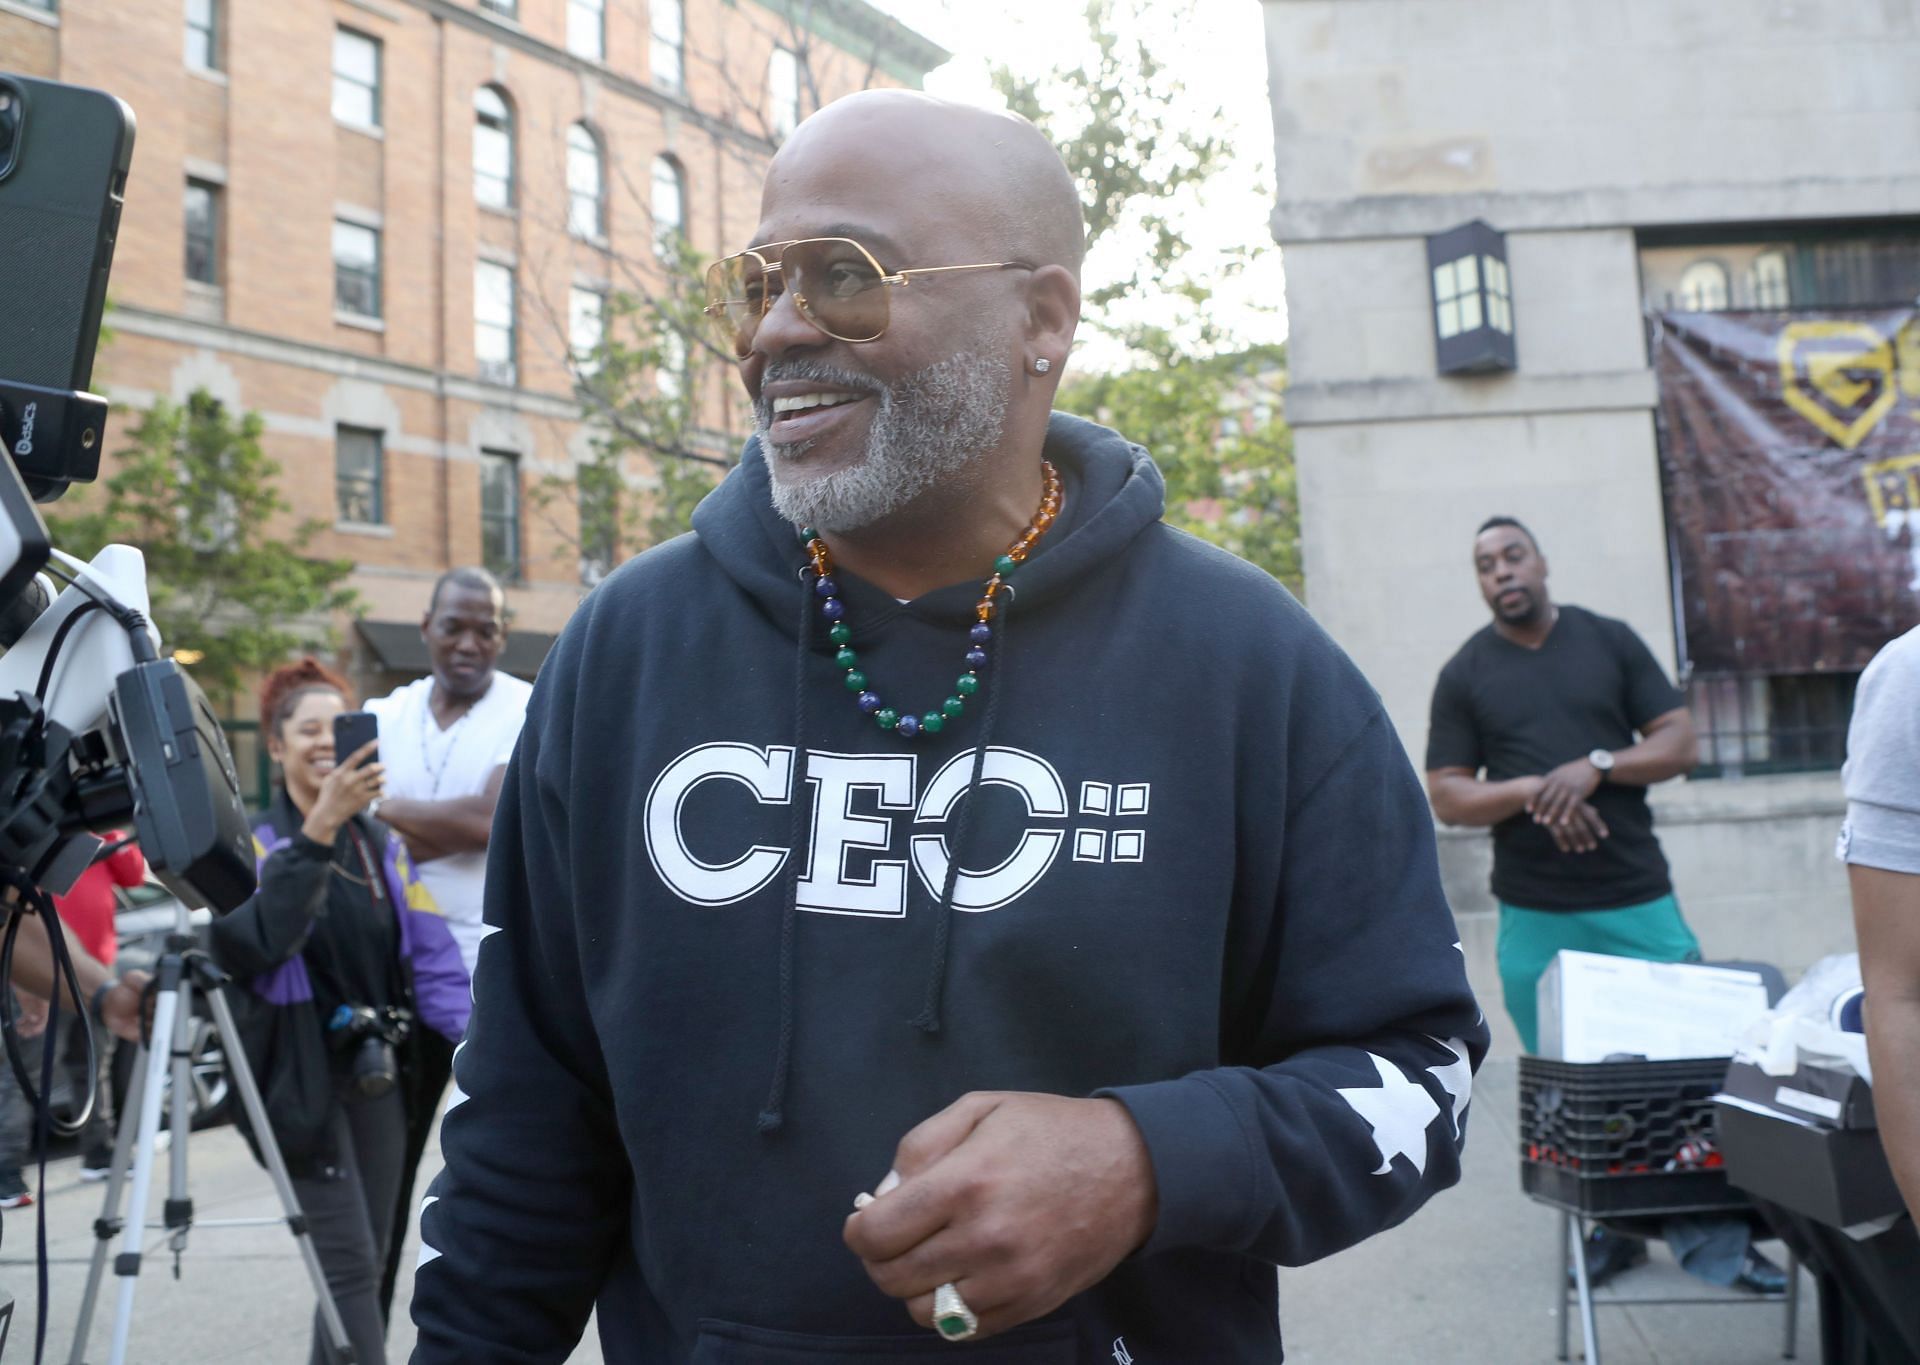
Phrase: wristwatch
{"type": "Point", "coordinates": [1603, 760]}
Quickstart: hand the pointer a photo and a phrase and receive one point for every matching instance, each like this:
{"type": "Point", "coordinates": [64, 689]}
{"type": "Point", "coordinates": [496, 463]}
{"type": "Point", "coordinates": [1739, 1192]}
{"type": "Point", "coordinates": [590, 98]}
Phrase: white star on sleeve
{"type": "Point", "coordinates": [1456, 1078]}
{"type": "Point", "coordinates": [1398, 1110]}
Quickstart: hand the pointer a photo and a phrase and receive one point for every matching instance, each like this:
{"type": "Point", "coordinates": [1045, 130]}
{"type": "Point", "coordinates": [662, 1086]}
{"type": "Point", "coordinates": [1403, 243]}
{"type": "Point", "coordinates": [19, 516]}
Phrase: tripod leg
{"type": "Point", "coordinates": [242, 1078]}
{"type": "Point", "coordinates": [178, 1215]}
{"type": "Point", "coordinates": [109, 1220]}
{"type": "Point", "coordinates": [126, 1265]}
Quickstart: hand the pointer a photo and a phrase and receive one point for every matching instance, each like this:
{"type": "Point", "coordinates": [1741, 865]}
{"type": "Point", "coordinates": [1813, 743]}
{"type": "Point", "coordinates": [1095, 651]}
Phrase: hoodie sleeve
{"type": "Point", "coordinates": [518, 1230]}
{"type": "Point", "coordinates": [1353, 1028]}
{"type": "Point", "coordinates": [275, 922]}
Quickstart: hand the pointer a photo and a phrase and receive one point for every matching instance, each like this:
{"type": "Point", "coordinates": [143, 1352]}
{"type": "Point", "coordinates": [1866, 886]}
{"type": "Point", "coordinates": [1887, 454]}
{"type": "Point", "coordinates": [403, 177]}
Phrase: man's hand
{"type": "Point", "coordinates": [1582, 833]}
{"type": "Point", "coordinates": [120, 1008]}
{"type": "Point", "coordinates": [1020, 1201]}
{"type": "Point", "coordinates": [1562, 791]}
{"type": "Point", "coordinates": [30, 1019]}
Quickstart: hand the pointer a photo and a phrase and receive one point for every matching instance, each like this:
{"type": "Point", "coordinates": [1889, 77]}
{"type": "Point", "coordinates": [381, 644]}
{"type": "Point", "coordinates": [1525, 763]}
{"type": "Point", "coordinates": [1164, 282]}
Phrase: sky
{"type": "Point", "coordinates": [1218, 48]}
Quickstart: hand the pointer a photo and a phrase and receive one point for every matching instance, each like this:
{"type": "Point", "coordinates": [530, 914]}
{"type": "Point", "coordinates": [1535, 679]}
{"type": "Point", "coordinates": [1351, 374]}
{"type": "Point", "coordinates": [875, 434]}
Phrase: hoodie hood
{"type": "Point", "coordinates": [1113, 493]}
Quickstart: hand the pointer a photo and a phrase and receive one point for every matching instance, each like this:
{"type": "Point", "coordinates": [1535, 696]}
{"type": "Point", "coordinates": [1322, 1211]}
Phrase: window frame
{"type": "Point", "coordinates": [212, 32]}
{"type": "Point", "coordinates": [373, 89]}
{"type": "Point", "coordinates": [512, 568]}
{"type": "Point", "coordinates": [598, 8]}
{"type": "Point", "coordinates": [508, 371]}
{"type": "Point", "coordinates": [593, 145]}
{"type": "Point", "coordinates": [782, 128]}
{"type": "Point", "coordinates": [502, 125]}
{"type": "Point", "coordinates": [582, 365]}
{"type": "Point", "coordinates": [661, 43]}
{"type": "Point", "coordinates": [378, 270]}
{"type": "Point", "coordinates": [501, 9]}
{"type": "Point", "coordinates": [677, 177]}
{"type": "Point", "coordinates": [212, 190]}
{"type": "Point", "coordinates": [377, 480]}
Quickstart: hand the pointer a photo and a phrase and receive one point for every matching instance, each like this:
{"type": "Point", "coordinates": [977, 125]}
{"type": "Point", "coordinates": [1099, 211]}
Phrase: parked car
{"type": "Point", "coordinates": [146, 914]}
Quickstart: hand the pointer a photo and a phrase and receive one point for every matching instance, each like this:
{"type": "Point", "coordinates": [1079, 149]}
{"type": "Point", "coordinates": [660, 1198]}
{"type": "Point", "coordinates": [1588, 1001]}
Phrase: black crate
{"type": "Point", "coordinates": [1622, 1138]}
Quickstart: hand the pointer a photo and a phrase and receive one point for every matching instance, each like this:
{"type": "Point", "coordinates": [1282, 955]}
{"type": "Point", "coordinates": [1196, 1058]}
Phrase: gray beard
{"type": "Point", "coordinates": [928, 429]}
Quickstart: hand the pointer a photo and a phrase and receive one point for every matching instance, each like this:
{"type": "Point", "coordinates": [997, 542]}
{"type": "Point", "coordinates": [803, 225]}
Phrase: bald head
{"type": "Point", "coordinates": [990, 175]}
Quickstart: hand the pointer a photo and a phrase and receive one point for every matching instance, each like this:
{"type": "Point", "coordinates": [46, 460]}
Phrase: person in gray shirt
{"type": "Point", "coordinates": [1880, 843]}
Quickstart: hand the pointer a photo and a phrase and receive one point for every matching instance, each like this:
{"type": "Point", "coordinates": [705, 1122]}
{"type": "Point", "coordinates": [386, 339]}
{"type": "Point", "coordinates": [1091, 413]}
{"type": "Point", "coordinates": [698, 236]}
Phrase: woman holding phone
{"type": "Point", "coordinates": [343, 956]}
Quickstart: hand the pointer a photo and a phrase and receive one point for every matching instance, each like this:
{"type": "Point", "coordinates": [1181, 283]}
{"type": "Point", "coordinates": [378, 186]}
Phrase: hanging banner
{"type": "Point", "coordinates": [1790, 463]}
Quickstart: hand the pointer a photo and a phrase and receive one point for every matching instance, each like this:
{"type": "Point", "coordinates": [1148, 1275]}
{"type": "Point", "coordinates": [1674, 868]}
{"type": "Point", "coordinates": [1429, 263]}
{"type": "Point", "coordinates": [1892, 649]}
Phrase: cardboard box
{"type": "Point", "coordinates": [1830, 1096]}
{"type": "Point", "coordinates": [1835, 1176]}
{"type": "Point", "coordinates": [1593, 1007]}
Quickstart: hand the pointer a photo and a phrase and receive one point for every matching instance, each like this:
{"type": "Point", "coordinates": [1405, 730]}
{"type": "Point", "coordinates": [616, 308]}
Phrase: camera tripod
{"type": "Point", "coordinates": [182, 970]}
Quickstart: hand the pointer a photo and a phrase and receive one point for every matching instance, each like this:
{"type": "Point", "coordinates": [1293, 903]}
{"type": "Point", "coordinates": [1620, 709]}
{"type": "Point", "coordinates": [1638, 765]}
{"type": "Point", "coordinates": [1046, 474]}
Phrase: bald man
{"type": "Point", "coordinates": [936, 898]}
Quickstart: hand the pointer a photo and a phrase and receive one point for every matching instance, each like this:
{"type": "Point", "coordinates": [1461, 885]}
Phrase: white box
{"type": "Point", "coordinates": [1592, 1006]}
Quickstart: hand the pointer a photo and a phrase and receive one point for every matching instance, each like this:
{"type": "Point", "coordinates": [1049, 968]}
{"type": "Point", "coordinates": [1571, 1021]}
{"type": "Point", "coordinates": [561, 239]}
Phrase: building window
{"type": "Point", "coordinates": [586, 184]}
{"type": "Point", "coordinates": [500, 513]}
{"type": "Point", "coordinates": [493, 333]}
{"type": "Point", "coordinates": [202, 53]}
{"type": "Point", "coordinates": [203, 232]}
{"type": "Point", "coordinates": [492, 149]}
{"type": "Point", "coordinates": [1767, 280]}
{"type": "Point", "coordinates": [667, 21]}
{"type": "Point", "coordinates": [1784, 723]}
{"type": "Point", "coordinates": [783, 93]}
{"type": "Point", "coordinates": [670, 376]}
{"type": "Point", "coordinates": [1704, 287]}
{"type": "Point", "coordinates": [356, 269]}
{"type": "Point", "coordinates": [506, 9]}
{"type": "Point", "coordinates": [356, 78]}
{"type": "Point", "coordinates": [586, 326]}
{"type": "Point", "coordinates": [669, 206]}
{"type": "Point", "coordinates": [587, 29]}
{"type": "Point", "coordinates": [358, 476]}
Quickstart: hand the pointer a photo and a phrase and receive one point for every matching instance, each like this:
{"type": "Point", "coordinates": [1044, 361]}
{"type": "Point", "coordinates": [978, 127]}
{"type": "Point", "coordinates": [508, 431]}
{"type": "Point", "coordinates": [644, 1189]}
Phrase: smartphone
{"type": "Point", "coordinates": [64, 155]}
{"type": "Point", "coordinates": [351, 729]}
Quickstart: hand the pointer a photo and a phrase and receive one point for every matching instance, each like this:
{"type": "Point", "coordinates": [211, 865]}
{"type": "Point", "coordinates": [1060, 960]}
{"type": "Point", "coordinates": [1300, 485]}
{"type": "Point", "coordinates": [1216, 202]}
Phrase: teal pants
{"type": "Point", "coordinates": [1654, 932]}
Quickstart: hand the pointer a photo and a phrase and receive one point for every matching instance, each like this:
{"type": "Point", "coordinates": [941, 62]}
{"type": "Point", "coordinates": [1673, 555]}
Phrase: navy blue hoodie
{"type": "Point", "coordinates": [1197, 874]}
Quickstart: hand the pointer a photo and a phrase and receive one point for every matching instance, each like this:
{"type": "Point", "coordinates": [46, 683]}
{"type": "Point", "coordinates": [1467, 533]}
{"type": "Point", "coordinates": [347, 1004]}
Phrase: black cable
{"type": "Point", "coordinates": [33, 899]}
{"type": "Point", "coordinates": [73, 619]}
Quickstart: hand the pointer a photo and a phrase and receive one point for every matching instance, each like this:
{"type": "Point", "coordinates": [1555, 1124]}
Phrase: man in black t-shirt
{"type": "Point", "coordinates": [1549, 725]}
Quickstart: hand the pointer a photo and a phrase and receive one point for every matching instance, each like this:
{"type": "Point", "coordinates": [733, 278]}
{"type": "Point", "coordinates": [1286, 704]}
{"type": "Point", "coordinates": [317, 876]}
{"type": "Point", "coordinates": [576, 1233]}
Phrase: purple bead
{"type": "Point", "coordinates": [981, 633]}
{"type": "Point", "coordinates": [869, 702]}
{"type": "Point", "coordinates": [832, 610]}
{"type": "Point", "coordinates": [976, 657]}
{"type": "Point", "coordinates": [826, 587]}
{"type": "Point", "coordinates": [909, 726]}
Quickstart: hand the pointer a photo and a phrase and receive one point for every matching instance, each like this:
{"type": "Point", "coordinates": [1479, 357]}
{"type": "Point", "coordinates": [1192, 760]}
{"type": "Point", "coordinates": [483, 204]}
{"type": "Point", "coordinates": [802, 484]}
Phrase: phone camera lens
{"type": "Point", "coordinates": [11, 110]}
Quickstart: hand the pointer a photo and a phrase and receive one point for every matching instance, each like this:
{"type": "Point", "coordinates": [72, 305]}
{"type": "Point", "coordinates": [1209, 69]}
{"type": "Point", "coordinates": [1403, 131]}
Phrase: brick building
{"type": "Point", "coordinates": [383, 223]}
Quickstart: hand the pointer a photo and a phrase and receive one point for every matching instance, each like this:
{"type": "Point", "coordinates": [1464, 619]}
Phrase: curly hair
{"type": "Point", "coordinates": [283, 688]}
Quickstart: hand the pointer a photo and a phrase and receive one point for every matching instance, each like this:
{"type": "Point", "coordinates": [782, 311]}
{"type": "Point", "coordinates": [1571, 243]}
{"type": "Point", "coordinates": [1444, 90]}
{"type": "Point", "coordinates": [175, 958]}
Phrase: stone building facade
{"type": "Point", "coordinates": [1637, 155]}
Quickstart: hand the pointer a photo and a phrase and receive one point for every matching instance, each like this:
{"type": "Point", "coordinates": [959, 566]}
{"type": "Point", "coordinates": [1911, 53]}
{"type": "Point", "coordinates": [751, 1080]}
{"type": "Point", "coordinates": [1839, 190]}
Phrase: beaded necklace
{"type": "Point", "coordinates": [908, 725]}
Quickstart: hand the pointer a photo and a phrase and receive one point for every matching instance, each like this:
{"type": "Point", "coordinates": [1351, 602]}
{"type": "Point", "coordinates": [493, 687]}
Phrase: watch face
{"type": "Point", "coordinates": [1601, 759]}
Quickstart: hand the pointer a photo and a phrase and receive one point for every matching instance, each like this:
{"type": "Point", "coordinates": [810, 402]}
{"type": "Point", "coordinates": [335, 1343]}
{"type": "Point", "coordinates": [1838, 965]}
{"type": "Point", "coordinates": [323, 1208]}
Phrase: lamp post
{"type": "Point", "coordinates": [1472, 300]}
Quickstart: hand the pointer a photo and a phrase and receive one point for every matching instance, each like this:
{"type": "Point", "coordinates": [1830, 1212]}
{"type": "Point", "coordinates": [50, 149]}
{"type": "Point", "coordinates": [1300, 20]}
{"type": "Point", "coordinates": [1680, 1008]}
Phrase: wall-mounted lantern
{"type": "Point", "coordinates": [1472, 300]}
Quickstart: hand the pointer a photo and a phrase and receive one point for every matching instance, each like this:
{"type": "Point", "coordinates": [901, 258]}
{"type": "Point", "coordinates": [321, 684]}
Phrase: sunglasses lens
{"type": "Point", "coordinates": [736, 297]}
{"type": "Point", "coordinates": [841, 285]}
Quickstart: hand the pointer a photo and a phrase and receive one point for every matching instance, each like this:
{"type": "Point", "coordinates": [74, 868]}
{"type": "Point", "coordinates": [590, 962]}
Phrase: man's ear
{"type": "Point", "coordinates": [1053, 314]}
{"type": "Point", "coordinates": [425, 621]}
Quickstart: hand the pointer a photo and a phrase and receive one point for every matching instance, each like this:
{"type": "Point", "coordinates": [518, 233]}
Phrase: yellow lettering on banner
{"type": "Point", "coordinates": [1829, 368]}
{"type": "Point", "coordinates": [1906, 345]}
{"type": "Point", "coordinates": [1893, 486]}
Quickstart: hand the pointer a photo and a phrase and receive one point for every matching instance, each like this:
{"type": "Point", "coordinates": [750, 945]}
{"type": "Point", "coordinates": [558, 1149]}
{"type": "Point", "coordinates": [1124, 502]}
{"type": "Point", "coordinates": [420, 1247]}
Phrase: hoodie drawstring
{"type": "Point", "coordinates": [928, 1020]}
{"type": "Point", "coordinates": [773, 1115]}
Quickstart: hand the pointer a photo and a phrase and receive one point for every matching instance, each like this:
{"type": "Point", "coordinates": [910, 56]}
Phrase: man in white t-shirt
{"type": "Point", "coordinates": [445, 741]}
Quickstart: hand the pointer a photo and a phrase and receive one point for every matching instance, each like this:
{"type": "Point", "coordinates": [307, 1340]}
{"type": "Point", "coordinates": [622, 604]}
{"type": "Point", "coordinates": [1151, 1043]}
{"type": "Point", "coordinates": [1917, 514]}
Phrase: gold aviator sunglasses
{"type": "Point", "coordinates": [836, 285]}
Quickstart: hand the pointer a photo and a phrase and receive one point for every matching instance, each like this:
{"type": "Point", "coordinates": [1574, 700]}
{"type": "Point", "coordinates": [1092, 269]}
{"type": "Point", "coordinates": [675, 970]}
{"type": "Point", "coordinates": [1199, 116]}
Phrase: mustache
{"type": "Point", "coordinates": [811, 372]}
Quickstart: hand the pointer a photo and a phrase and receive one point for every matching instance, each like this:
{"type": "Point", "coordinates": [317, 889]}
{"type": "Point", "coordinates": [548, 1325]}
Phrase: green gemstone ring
{"type": "Point", "coordinates": [952, 1319]}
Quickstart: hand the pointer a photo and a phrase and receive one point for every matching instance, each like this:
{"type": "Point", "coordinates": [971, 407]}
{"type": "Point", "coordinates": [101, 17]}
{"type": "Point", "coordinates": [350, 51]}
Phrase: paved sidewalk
{"type": "Point", "coordinates": [1470, 1279]}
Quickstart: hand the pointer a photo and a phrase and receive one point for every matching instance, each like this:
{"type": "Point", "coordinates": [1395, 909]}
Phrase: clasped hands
{"type": "Point", "coordinates": [1559, 802]}
{"type": "Point", "coordinates": [1020, 1201]}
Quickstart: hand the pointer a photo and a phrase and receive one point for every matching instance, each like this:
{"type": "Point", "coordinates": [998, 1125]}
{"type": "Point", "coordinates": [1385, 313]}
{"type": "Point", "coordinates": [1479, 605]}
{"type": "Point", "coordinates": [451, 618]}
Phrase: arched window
{"type": "Point", "coordinates": [492, 148]}
{"type": "Point", "coordinates": [669, 205]}
{"type": "Point", "coordinates": [1704, 287]}
{"type": "Point", "coordinates": [586, 184]}
{"type": "Point", "coordinates": [783, 93]}
{"type": "Point", "coordinates": [1767, 280]}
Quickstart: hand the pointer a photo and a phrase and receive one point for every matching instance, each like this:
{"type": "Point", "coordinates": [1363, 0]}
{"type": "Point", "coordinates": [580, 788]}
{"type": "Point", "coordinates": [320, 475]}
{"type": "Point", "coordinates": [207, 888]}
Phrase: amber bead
{"type": "Point", "coordinates": [983, 611]}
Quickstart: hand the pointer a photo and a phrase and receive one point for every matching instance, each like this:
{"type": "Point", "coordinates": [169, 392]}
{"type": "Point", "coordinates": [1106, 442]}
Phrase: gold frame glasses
{"type": "Point", "coordinates": [838, 286]}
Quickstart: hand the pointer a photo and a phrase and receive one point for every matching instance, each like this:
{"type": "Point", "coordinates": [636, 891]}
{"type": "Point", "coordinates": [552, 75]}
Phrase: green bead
{"type": "Point", "coordinates": [966, 684]}
{"type": "Point", "coordinates": [846, 658]}
{"type": "Point", "coordinates": [953, 706]}
{"type": "Point", "coordinates": [856, 680]}
{"type": "Point", "coordinates": [840, 632]}
{"type": "Point", "coordinates": [933, 722]}
{"type": "Point", "coordinates": [951, 1326]}
{"type": "Point", "coordinates": [1005, 565]}
{"type": "Point", "coordinates": [808, 533]}
{"type": "Point", "coordinates": [886, 718]}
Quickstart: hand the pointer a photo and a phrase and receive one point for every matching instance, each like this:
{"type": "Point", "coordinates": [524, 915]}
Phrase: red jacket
{"type": "Point", "coordinates": [88, 908]}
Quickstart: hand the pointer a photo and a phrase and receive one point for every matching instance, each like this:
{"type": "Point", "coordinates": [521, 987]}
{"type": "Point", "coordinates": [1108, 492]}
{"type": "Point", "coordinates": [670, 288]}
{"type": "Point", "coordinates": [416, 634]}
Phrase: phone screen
{"type": "Point", "coordinates": [351, 729]}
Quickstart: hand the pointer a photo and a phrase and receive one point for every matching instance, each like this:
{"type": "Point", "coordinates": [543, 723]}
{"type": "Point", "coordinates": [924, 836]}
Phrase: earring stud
{"type": "Point", "coordinates": [1042, 365]}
